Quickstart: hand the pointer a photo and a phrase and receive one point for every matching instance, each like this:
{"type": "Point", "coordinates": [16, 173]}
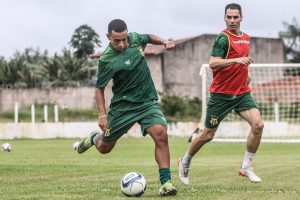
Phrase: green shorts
{"type": "Point", "coordinates": [120, 121]}
{"type": "Point", "coordinates": [220, 105]}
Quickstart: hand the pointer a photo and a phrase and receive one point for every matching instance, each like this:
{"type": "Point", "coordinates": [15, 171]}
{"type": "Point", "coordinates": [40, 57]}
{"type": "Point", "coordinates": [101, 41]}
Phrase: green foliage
{"type": "Point", "coordinates": [178, 108]}
{"type": "Point", "coordinates": [50, 169]}
{"type": "Point", "coordinates": [291, 39]}
{"type": "Point", "coordinates": [84, 40]}
{"type": "Point", "coordinates": [32, 68]}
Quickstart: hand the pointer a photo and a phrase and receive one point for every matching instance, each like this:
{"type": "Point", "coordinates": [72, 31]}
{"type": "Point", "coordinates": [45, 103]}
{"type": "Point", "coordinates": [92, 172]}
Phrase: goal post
{"type": "Point", "coordinates": [276, 89]}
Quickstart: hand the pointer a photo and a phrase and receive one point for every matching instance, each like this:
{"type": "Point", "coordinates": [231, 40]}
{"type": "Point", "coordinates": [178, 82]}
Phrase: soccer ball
{"type": "Point", "coordinates": [133, 184]}
{"type": "Point", "coordinates": [75, 145]}
{"type": "Point", "coordinates": [6, 147]}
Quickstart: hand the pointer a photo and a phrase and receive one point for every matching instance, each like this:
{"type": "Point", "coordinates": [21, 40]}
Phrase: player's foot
{"type": "Point", "coordinates": [183, 172]}
{"type": "Point", "coordinates": [86, 143]}
{"type": "Point", "coordinates": [248, 172]}
{"type": "Point", "coordinates": [167, 189]}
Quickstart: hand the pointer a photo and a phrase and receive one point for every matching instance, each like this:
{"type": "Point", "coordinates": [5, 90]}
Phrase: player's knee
{"type": "Point", "coordinates": [104, 148]}
{"type": "Point", "coordinates": [161, 136]}
{"type": "Point", "coordinates": [209, 137]}
{"type": "Point", "coordinates": [258, 127]}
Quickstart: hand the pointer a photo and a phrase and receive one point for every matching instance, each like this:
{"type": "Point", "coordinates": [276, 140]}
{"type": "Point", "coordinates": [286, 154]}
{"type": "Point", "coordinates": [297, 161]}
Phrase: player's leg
{"type": "Point", "coordinates": [252, 116]}
{"type": "Point", "coordinates": [153, 123]}
{"type": "Point", "coordinates": [218, 107]}
{"type": "Point", "coordinates": [185, 162]}
{"type": "Point", "coordinates": [159, 135]}
{"type": "Point", "coordinates": [105, 142]}
{"type": "Point", "coordinates": [95, 138]}
{"type": "Point", "coordinates": [88, 141]}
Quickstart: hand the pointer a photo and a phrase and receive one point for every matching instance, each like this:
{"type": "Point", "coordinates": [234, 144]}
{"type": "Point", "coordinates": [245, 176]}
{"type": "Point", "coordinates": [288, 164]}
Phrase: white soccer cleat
{"type": "Point", "coordinates": [183, 173]}
{"type": "Point", "coordinates": [250, 174]}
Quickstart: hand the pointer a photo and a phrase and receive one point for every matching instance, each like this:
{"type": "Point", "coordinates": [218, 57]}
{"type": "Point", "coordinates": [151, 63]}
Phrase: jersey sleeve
{"type": "Point", "coordinates": [220, 47]}
{"type": "Point", "coordinates": [143, 39]}
{"type": "Point", "coordinates": [105, 74]}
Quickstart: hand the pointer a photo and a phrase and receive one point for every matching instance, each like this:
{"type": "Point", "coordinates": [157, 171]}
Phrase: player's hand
{"type": "Point", "coordinates": [103, 124]}
{"type": "Point", "coordinates": [244, 60]}
{"type": "Point", "coordinates": [169, 44]}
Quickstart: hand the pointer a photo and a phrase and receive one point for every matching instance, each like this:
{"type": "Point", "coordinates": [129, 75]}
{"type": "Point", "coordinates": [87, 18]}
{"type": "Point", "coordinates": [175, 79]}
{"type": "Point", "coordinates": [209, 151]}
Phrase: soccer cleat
{"type": "Point", "coordinates": [167, 189]}
{"type": "Point", "coordinates": [86, 143]}
{"type": "Point", "coordinates": [248, 172]}
{"type": "Point", "coordinates": [183, 173]}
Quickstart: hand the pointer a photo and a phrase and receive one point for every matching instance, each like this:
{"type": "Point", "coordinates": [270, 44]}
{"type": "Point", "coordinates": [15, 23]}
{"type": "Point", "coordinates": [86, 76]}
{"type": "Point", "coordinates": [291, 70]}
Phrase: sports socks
{"type": "Point", "coordinates": [164, 175]}
{"type": "Point", "coordinates": [94, 138]}
{"type": "Point", "coordinates": [186, 160]}
{"type": "Point", "coordinates": [247, 160]}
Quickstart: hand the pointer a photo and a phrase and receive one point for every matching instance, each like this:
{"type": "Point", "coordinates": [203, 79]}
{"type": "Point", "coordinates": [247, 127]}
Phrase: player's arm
{"type": "Point", "coordinates": [100, 101]}
{"type": "Point", "coordinates": [219, 53]}
{"type": "Point", "coordinates": [154, 39]}
{"type": "Point", "coordinates": [218, 62]}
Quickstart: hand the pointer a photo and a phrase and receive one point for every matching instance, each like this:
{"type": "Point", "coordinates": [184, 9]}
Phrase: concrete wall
{"type": "Point", "coordinates": [227, 130]}
{"type": "Point", "coordinates": [70, 97]}
{"type": "Point", "coordinates": [77, 130]}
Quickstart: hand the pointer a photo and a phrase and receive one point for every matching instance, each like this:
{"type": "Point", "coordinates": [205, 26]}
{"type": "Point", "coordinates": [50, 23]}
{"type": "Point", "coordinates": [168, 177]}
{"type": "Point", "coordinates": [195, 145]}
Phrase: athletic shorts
{"type": "Point", "coordinates": [220, 105]}
{"type": "Point", "coordinates": [121, 121]}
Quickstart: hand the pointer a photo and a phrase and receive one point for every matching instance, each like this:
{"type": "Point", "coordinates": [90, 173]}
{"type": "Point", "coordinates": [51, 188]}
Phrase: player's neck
{"type": "Point", "coordinates": [235, 32]}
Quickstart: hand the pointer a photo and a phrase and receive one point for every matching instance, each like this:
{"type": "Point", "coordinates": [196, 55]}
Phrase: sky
{"type": "Point", "coordinates": [49, 24]}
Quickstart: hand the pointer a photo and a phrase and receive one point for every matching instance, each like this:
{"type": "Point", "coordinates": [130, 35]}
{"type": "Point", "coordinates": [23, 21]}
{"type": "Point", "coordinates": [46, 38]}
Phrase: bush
{"type": "Point", "coordinates": [177, 108]}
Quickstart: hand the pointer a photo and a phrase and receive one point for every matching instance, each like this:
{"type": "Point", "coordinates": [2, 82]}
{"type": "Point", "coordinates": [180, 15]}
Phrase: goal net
{"type": "Point", "coordinates": [276, 89]}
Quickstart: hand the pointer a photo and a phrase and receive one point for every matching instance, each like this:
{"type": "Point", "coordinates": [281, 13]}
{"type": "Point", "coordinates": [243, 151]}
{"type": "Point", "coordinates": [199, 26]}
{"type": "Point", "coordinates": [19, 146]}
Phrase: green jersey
{"type": "Point", "coordinates": [221, 45]}
{"type": "Point", "coordinates": [132, 82]}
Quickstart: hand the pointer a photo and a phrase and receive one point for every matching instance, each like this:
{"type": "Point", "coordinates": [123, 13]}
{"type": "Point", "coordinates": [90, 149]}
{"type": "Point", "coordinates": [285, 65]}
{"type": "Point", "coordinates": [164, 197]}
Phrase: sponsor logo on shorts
{"type": "Point", "coordinates": [214, 120]}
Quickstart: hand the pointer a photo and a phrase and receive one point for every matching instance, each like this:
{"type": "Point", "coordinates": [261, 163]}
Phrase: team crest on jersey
{"type": "Point", "coordinates": [214, 120]}
{"type": "Point", "coordinates": [141, 51]}
{"type": "Point", "coordinates": [107, 132]}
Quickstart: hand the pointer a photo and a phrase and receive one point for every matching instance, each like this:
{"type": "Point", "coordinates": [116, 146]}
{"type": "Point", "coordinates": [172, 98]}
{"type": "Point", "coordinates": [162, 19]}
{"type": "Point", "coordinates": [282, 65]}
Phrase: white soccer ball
{"type": "Point", "coordinates": [133, 184]}
{"type": "Point", "coordinates": [75, 145]}
{"type": "Point", "coordinates": [6, 147]}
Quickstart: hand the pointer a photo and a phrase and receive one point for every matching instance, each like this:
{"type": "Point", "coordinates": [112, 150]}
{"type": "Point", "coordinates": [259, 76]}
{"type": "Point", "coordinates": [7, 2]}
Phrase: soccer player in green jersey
{"type": "Point", "coordinates": [229, 91]}
{"type": "Point", "coordinates": [134, 98]}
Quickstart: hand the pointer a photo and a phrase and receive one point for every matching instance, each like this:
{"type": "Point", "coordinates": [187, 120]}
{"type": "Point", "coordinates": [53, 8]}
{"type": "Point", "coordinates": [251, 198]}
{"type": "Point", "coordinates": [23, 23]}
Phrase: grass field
{"type": "Point", "coordinates": [50, 169]}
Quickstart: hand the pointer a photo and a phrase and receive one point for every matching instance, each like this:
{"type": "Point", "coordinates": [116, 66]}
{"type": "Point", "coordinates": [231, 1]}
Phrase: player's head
{"type": "Point", "coordinates": [118, 34]}
{"type": "Point", "coordinates": [233, 17]}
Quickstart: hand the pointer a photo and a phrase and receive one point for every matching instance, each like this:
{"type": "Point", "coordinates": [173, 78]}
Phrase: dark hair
{"type": "Point", "coordinates": [234, 6]}
{"type": "Point", "coordinates": [117, 25]}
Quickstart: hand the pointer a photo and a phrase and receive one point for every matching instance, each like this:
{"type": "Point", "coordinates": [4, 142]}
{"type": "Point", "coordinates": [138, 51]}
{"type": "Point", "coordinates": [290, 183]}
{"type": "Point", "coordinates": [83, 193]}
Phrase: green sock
{"type": "Point", "coordinates": [164, 175]}
{"type": "Point", "coordinates": [93, 137]}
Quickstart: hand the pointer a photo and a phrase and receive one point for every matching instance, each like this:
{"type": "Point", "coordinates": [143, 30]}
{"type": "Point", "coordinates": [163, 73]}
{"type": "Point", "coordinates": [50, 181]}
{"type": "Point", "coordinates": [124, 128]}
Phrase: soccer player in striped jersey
{"type": "Point", "coordinates": [134, 98]}
{"type": "Point", "coordinates": [229, 91]}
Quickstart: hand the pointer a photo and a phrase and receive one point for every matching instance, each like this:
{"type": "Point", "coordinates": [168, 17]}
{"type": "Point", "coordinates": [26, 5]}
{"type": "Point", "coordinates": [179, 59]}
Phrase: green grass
{"type": "Point", "coordinates": [50, 169]}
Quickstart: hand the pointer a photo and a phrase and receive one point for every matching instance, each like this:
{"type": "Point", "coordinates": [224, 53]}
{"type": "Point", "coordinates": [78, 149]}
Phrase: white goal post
{"type": "Point", "coordinates": [276, 89]}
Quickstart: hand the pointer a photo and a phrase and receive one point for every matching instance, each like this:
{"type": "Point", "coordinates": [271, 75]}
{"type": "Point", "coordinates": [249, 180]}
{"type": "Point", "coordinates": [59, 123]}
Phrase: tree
{"type": "Point", "coordinates": [84, 40]}
{"type": "Point", "coordinates": [291, 39]}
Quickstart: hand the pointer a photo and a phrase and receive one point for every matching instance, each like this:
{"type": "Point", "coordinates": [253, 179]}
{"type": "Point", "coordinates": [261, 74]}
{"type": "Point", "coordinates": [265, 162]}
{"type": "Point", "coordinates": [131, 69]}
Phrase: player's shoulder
{"type": "Point", "coordinates": [108, 53]}
{"type": "Point", "coordinates": [245, 35]}
{"type": "Point", "coordinates": [222, 38]}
